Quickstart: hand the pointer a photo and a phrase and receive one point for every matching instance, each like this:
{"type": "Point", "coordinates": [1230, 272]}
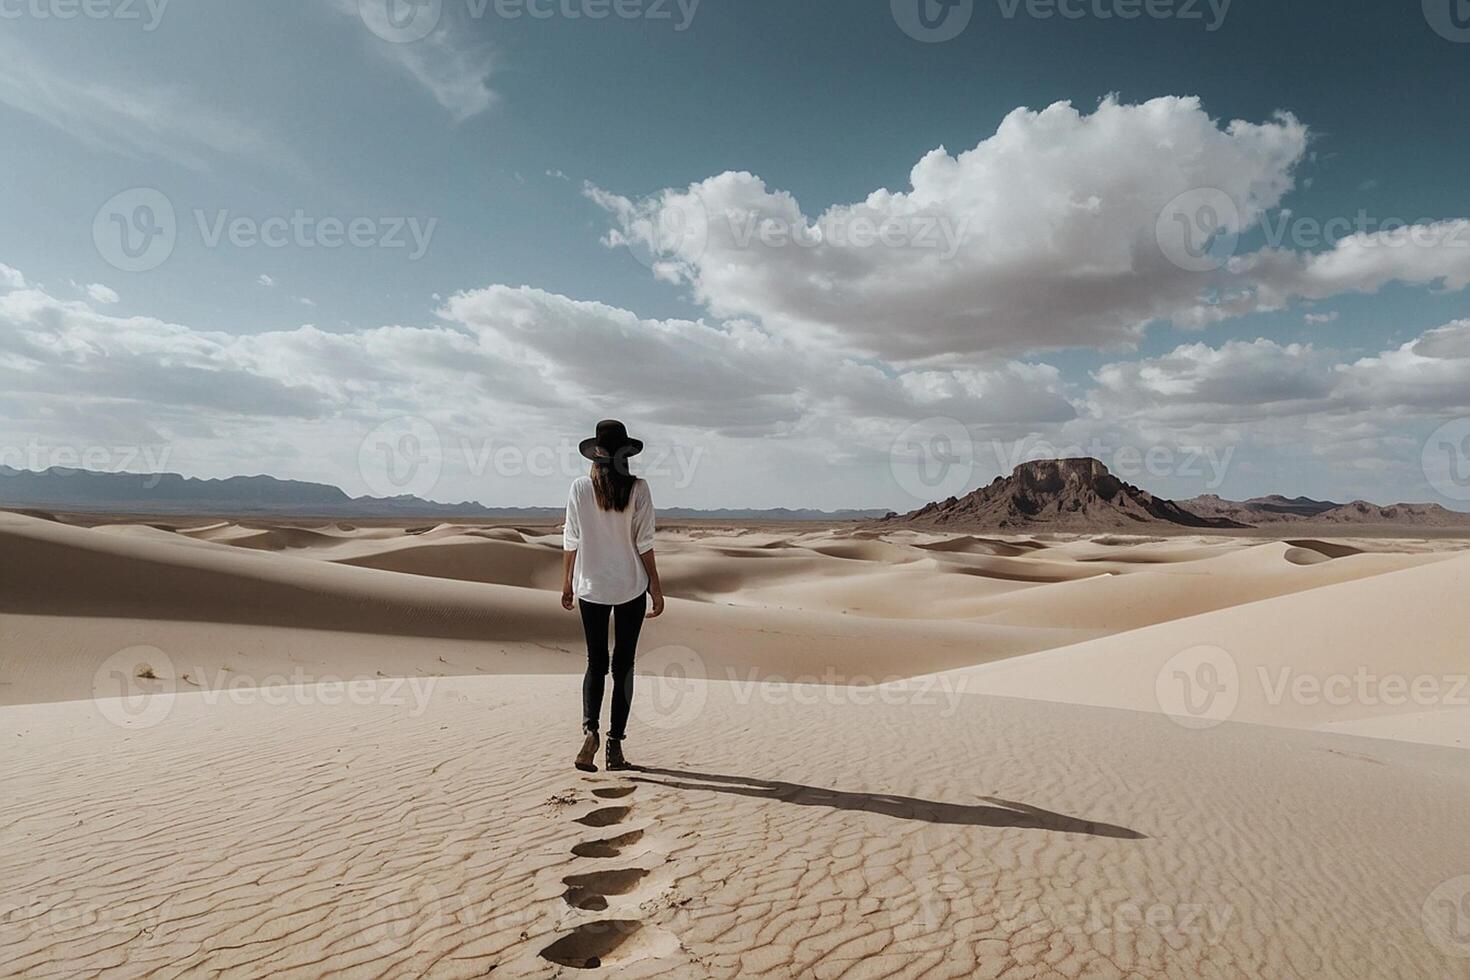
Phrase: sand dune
{"type": "Point", "coordinates": [972, 545]}
{"type": "Point", "coordinates": [156, 581]}
{"type": "Point", "coordinates": [339, 750]}
{"type": "Point", "coordinates": [1162, 592]}
{"type": "Point", "coordinates": [1327, 657]}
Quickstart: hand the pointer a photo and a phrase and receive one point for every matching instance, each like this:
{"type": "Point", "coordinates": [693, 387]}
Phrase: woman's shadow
{"type": "Point", "coordinates": [1000, 813]}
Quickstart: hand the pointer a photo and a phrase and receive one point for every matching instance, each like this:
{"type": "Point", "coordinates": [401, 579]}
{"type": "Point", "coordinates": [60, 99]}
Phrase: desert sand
{"type": "Point", "coordinates": [240, 748]}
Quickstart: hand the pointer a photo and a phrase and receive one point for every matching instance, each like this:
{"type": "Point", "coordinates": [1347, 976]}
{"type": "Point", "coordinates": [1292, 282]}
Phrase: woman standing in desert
{"type": "Point", "coordinates": [608, 570]}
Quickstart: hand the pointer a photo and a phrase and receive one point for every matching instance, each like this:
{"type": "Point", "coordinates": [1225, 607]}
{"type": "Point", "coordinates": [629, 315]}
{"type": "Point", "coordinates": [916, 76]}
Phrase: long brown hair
{"type": "Point", "coordinates": [612, 482]}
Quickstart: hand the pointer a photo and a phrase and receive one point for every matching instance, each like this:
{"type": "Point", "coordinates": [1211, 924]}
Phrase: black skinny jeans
{"type": "Point", "coordinates": [627, 621]}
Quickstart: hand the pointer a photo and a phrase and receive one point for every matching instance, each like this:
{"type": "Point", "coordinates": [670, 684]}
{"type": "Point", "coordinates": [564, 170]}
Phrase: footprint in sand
{"type": "Point", "coordinates": [605, 817]}
{"type": "Point", "coordinates": [588, 944]}
{"type": "Point", "coordinates": [590, 890]}
{"type": "Point", "coordinates": [610, 847]}
{"type": "Point", "coordinates": [585, 946]}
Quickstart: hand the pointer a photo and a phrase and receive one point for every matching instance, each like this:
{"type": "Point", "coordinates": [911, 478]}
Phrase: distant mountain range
{"type": "Point", "coordinates": [1276, 509]}
{"type": "Point", "coordinates": [1077, 494]}
{"type": "Point", "coordinates": [1080, 494]}
{"type": "Point", "coordinates": [88, 491]}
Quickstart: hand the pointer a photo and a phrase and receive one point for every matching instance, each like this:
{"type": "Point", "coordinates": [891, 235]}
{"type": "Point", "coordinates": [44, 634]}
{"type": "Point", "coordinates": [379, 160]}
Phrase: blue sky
{"type": "Point", "coordinates": [524, 148]}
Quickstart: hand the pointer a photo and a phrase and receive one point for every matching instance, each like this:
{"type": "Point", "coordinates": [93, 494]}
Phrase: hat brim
{"type": "Point", "coordinates": [593, 451]}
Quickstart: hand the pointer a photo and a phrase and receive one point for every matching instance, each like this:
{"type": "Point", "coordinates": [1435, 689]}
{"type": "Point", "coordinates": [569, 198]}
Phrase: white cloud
{"type": "Point", "coordinates": [52, 349]}
{"type": "Point", "coordinates": [1449, 342]}
{"type": "Point", "coordinates": [1428, 377]}
{"type": "Point", "coordinates": [520, 366]}
{"type": "Point", "coordinates": [11, 278]}
{"type": "Point", "coordinates": [102, 294]}
{"type": "Point", "coordinates": [1196, 382]}
{"type": "Point", "coordinates": [450, 65]}
{"type": "Point", "coordinates": [134, 120]}
{"type": "Point", "coordinates": [265, 280]}
{"type": "Point", "coordinates": [1055, 217]}
{"type": "Point", "coordinates": [1421, 254]}
{"type": "Point", "coordinates": [456, 77]}
{"type": "Point", "coordinates": [736, 378]}
{"type": "Point", "coordinates": [1045, 235]}
{"type": "Point", "coordinates": [1317, 319]}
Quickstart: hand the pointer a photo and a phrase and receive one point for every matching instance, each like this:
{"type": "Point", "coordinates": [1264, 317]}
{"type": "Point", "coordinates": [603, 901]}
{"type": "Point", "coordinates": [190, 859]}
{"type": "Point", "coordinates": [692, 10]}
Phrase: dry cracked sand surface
{"type": "Point", "coordinates": [339, 751]}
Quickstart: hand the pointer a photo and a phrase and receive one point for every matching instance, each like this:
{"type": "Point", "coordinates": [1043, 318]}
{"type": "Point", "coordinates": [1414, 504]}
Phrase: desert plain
{"type": "Point", "coordinates": [249, 748]}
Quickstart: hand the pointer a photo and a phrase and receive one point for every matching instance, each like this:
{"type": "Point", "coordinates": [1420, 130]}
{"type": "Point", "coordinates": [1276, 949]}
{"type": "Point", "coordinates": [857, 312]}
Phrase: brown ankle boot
{"type": "Point", "coordinates": [587, 758]}
{"type": "Point", "coordinates": [615, 760]}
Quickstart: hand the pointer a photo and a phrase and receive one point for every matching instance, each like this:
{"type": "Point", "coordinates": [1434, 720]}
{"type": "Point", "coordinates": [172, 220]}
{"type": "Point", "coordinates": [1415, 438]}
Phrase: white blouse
{"type": "Point", "coordinates": [608, 543]}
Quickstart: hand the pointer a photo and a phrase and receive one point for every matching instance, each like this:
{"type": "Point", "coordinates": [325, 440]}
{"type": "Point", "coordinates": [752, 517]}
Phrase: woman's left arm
{"type": "Point", "coordinates": [643, 526]}
{"type": "Point", "coordinates": [655, 589]}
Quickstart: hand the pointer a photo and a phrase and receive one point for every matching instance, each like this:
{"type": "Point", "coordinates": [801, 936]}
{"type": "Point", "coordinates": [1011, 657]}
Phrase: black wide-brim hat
{"type": "Point", "coordinates": [611, 442]}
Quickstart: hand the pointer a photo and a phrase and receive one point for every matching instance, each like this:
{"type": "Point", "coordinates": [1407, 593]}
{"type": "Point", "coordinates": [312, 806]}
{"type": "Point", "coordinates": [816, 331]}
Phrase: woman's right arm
{"type": "Point", "coordinates": [571, 540]}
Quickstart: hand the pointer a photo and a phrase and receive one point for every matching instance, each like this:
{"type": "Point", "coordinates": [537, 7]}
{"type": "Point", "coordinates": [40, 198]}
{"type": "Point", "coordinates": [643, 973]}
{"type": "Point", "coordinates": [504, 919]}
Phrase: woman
{"type": "Point", "coordinates": [608, 568]}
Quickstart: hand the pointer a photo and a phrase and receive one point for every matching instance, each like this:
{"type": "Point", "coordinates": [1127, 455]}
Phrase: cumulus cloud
{"type": "Point", "coordinates": [102, 294]}
{"type": "Point", "coordinates": [1041, 236]}
{"type": "Point", "coordinates": [735, 377]}
{"type": "Point", "coordinates": [1055, 232]}
{"type": "Point", "coordinates": [1451, 341]}
{"type": "Point", "coordinates": [11, 278]}
{"type": "Point", "coordinates": [54, 348]}
{"type": "Point", "coordinates": [522, 365]}
{"type": "Point", "coordinates": [727, 377]}
{"type": "Point", "coordinates": [1436, 253]}
{"type": "Point", "coordinates": [1262, 379]}
{"type": "Point", "coordinates": [1239, 379]}
{"type": "Point", "coordinates": [501, 360]}
{"type": "Point", "coordinates": [1430, 374]}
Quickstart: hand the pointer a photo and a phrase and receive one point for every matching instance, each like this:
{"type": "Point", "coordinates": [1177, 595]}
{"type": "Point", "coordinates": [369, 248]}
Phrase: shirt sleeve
{"type": "Point", "coordinates": [643, 518]}
{"type": "Point", "coordinates": [571, 532]}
